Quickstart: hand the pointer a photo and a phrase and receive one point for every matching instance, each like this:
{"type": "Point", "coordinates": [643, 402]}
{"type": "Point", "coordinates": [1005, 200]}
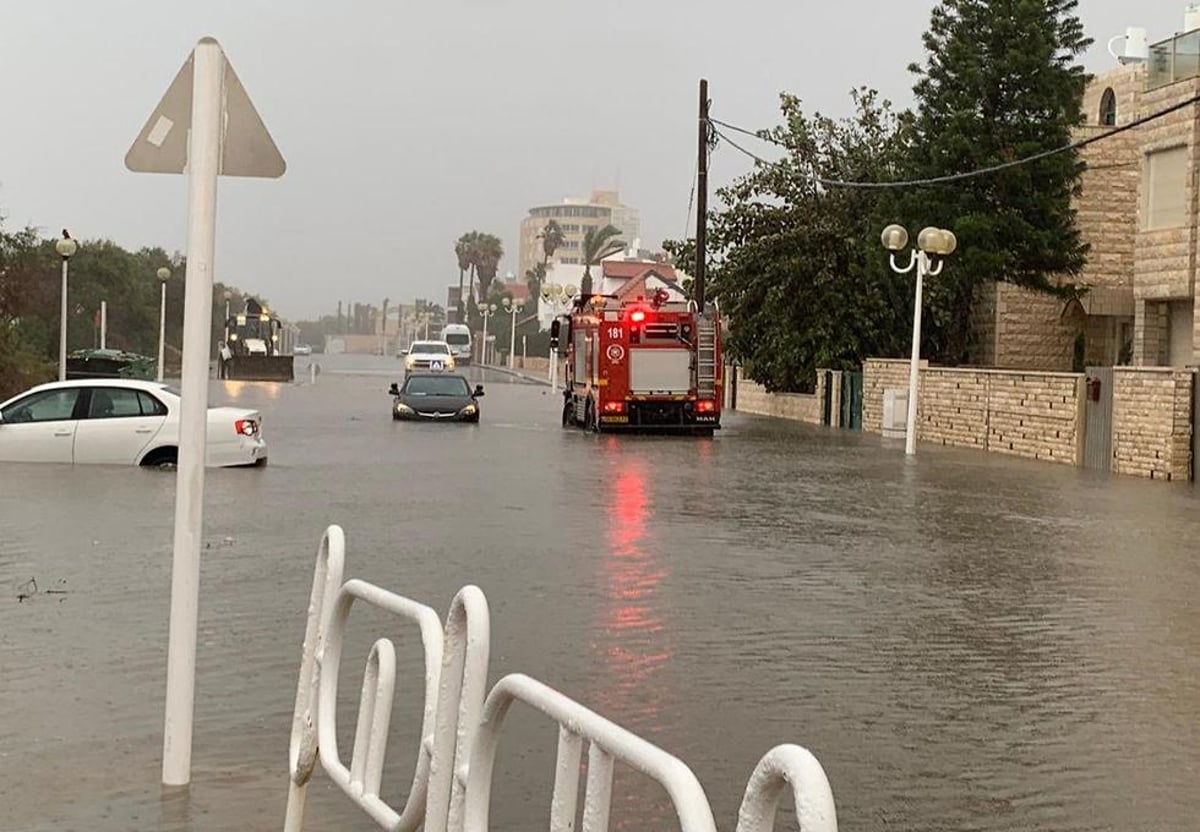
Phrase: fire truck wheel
{"type": "Point", "coordinates": [568, 414]}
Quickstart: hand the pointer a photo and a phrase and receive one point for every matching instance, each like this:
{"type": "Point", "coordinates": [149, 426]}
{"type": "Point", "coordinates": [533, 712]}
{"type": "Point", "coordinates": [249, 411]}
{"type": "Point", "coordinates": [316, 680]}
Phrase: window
{"type": "Point", "coordinates": [1108, 108]}
{"type": "Point", "coordinates": [151, 406]}
{"type": "Point", "coordinates": [113, 403]}
{"type": "Point", "coordinates": [429, 348]}
{"type": "Point", "coordinates": [1167, 189]}
{"type": "Point", "coordinates": [46, 406]}
{"type": "Point", "coordinates": [437, 386]}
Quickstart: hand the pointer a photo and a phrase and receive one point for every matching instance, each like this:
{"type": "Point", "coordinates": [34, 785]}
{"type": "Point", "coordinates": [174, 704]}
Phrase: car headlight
{"type": "Point", "coordinates": [469, 410]}
{"type": "Point", "coordinates": [450, 363]}
{"type": "Point", "coordinates": [409, 362]}
{"type": "Point", "coordinates": [401, 407]}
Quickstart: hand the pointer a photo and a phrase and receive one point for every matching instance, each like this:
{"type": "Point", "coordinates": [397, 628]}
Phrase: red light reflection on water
{"type": "Point", "coordinates": [631, 640]}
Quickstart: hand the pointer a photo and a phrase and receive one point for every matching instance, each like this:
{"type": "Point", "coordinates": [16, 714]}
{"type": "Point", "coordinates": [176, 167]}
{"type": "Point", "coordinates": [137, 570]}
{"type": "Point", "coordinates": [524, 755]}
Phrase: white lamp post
{"type": "Point", "coordinates": [66, 248]}
{"type": "Point", "coordinates": [514, 308]}
{"type": "Point", "coordinates": [163, 273]}
{"type": "Point", "coordinates": [486, 311]}
{"type": "Point", "coordinates": [559, 298]}
{"type": "Point", "coordinates": [934, 245]}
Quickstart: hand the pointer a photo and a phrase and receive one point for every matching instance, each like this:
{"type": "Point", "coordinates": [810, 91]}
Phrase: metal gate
{"type": "Point", "coordinates": [851, 403]}
{"type": "Point", "coordinates": [1098, 407]}
{"type": "Point", "coordinates": [827, 402]}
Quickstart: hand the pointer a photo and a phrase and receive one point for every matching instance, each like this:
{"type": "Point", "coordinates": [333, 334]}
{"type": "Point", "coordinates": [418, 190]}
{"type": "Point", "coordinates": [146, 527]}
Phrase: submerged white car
{"type": "Point", "coordinates": [119, 422]}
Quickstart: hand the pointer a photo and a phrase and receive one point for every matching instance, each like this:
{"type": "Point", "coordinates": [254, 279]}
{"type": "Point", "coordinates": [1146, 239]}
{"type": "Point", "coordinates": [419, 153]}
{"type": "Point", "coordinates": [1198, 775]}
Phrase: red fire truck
{"type": "Point", "coordinates": [641, 364]}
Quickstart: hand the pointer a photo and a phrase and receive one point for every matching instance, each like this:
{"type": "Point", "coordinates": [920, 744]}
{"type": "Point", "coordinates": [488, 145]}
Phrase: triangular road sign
{"type": "Point", "coordinates": [247, 149]}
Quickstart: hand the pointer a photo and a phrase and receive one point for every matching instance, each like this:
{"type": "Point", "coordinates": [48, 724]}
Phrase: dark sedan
{"type": "Point", "coordinates": [436, 397]}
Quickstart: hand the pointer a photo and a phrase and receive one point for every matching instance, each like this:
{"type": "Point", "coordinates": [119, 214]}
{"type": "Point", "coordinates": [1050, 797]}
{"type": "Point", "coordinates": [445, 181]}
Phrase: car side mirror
{"type": "Point", "coordinates": [404, 352]}
{"type": "Point", "coordinates": [394, 389]}
{"type": "Point", "coordinates": [478, 391]}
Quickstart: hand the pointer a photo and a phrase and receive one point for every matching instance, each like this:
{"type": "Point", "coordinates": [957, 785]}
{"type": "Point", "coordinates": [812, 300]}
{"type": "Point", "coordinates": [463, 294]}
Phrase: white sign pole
{"type": "Point", "coordinates": [103, 324]}
{"type": "Point", "coordinates": [204, 157]}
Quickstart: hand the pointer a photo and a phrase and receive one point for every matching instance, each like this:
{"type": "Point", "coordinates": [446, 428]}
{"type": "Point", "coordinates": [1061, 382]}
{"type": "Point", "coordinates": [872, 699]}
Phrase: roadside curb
{"type": "Point", "coordinates": [514, 374]}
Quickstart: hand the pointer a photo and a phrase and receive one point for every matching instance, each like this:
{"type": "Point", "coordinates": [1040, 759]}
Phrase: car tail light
{"type": "Point", "coordinates": [246, 427]}
{"type": "Point", "coordinates": [614, 407]}
{"type": "Point", "coordinates": [706, 406]}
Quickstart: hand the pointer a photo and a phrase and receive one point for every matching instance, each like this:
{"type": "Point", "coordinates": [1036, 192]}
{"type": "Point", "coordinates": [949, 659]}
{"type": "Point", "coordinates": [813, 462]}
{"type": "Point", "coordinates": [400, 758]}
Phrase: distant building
{"type": "Point", "coordinates": [575, 217]}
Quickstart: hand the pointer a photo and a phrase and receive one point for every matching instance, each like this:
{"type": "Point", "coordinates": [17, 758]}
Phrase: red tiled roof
{"type": "Point", "coordinates": [631, 270]}
{"type": "Point", "coordinates": [519, 291]}
{"type": "Point", "coordinates": [637, 288]}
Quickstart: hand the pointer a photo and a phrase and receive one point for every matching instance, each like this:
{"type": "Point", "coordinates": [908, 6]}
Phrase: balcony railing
{"type": "Point", "coordinates": [1174, 60]}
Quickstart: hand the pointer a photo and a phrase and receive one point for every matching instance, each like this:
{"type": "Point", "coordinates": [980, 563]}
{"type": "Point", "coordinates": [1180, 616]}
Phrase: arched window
{"type": "Point", "coordinates": [1108, 108]}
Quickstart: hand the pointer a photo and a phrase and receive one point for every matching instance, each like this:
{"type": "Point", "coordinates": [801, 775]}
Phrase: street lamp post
{"type": "Point", "coordinates": [163, 273]}
{"type": "Point", "coordinates": [558, 297]}
{"type": "Point", "coordinates": [934, 245]}
{"type": "Point", "coordinates": [486, 310]}
{"type": "Point", "coordinates": [514, 308]}
{"type": "Point", "coordinates": [66, 248]}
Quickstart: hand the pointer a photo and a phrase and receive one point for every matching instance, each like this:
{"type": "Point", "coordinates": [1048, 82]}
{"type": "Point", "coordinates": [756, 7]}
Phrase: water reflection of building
{"type": "Point", "coordinates": [631, 644]}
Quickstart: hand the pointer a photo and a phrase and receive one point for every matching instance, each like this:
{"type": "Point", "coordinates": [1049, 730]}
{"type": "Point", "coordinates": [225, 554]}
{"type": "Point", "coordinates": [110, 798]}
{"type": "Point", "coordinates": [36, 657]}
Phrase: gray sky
{"type": "Point", "coordinates": [405, 124]}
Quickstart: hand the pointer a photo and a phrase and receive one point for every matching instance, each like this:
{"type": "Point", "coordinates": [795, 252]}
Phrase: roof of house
{"type": "Point", "coordinates": [631, 270]}
{"type": "Point", "coordinates": [637, 287]}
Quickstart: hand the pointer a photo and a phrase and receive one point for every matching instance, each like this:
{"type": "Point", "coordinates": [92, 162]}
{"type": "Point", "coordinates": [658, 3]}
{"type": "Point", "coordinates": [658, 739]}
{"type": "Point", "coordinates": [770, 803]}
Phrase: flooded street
{"type": "Point", "coordinates": [965, 642]}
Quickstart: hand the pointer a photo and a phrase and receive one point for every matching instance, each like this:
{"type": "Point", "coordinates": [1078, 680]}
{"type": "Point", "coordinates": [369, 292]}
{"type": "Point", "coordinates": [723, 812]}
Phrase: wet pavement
{"type": "Point", "coordinates": [967, 642]}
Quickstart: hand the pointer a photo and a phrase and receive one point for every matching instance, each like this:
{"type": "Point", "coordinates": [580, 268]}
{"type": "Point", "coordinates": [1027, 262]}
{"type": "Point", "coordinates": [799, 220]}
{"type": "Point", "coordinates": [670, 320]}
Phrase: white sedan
{"type": "Point", "coordinates": [118, 422]}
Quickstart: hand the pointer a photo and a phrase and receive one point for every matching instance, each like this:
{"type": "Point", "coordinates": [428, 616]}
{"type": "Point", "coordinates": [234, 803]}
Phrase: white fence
{"type": "Point", "coordinates": [460, 730]}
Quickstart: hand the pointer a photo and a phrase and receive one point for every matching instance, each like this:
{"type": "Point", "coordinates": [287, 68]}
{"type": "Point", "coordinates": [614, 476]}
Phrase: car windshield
{"type": "Point", "coordinates": [436, 386]}
{"type": "Point", "coordinates": [458, 338]}
{"type": "Point", "coordinates": [428, 347]}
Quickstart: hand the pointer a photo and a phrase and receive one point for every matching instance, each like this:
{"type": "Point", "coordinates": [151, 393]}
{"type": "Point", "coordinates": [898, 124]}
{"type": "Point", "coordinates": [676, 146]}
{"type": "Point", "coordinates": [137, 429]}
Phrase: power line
{"type": "Point", "coordinates": [955, 177]}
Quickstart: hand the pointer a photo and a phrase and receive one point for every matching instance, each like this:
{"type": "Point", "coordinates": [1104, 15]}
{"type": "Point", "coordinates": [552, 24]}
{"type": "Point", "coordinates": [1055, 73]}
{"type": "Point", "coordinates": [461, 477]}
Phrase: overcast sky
{"type": "Point", "coordinates": [405, 124]}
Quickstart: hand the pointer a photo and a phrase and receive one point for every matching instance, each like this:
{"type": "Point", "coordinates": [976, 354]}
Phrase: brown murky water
{"type": "Point", "coordinates": [967, 643]}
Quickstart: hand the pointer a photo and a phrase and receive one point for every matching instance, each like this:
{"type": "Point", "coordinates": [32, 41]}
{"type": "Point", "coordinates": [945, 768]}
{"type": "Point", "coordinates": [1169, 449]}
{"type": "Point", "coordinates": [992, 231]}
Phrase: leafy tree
{"type": "Point", "coordinates": [798, 268]}
{"type": "Point", "coordinates": [598, 243]}
{"type": "Point", "coordinates": [1000, 81]}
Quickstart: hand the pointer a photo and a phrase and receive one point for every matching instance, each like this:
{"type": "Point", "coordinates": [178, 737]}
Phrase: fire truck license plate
{"type": "Point", "coordinates": [615, 419]}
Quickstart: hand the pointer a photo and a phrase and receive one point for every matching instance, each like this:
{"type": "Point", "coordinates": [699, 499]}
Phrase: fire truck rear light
{"type": "Point", "coordinates": [614, 407]}
{"type": "Point", "coordinates": [706, 406]}
{"type": "Point", "coordinates": [637, 316]}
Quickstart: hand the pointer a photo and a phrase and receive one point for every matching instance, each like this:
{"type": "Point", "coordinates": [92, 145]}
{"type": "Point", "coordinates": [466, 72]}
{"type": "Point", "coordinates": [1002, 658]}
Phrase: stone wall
{"type": "Point", "coordinates": [1029, 414]}
{"type": "Point", "coordinates": [1031, 333]}
{"type": "Point", "coordinates": [1152, 422]}
{"type": "Point", "coordinates": [800, 407]}
{"type": "Point", "coordinates": [881, 374]}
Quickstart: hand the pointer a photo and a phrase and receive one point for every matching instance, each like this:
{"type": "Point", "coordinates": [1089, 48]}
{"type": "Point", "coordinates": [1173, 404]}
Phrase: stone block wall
{"type": "Point", "coordinates": [1152, 422]}
{"type": "Point", "coordinates": [752, 397]}
{"type": "Point", "coordinates": [880, 374]}
{"type": "Point", "coordinates": [1028, 414]}
{"type": "Point", "coordinates": [1036, 415]}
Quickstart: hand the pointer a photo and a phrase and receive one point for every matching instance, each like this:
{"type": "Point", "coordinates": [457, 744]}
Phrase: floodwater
{"type": "Point", "coordinates": [966, 642]}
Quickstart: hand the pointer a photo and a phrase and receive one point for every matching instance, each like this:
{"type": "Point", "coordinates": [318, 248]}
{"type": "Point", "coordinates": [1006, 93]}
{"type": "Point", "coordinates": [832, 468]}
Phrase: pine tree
{"type": "Point", "coordinates": [1001, 81]}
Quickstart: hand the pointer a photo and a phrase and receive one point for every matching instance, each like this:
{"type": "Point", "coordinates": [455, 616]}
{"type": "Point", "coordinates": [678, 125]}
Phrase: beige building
{"type": "Point", "coordinates": [575, 217]}
{"type": "Point", "coordinates": [1139, 211]}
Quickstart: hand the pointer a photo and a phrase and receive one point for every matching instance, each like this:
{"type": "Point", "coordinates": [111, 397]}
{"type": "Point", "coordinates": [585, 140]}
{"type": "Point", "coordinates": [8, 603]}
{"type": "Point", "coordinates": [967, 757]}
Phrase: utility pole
{"type": "Point", "coordinates": [701, 199]}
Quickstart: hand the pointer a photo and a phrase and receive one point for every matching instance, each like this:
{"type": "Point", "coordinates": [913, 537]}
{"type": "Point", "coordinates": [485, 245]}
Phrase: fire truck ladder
{"type": "Point", "coordinates": [706, 358]}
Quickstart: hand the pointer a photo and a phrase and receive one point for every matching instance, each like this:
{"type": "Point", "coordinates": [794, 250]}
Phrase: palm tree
{"type": "Point", "coordinates": [552, 238]}
{"type": "Point", "coordinates": [464, 250]}
{"type": "Point", "coordinates": [598, 243]}
{"type": "Point", "coordinates": [534, 278]}
{"type": "Point", "coordinates": [489, 252]}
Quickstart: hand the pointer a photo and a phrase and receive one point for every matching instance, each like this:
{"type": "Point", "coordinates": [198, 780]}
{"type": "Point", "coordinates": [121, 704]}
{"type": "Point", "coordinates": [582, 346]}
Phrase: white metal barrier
{"type": "Point", "coordinates": [455, 675]}
{"type": "Point", "coordinates": [451, 789]}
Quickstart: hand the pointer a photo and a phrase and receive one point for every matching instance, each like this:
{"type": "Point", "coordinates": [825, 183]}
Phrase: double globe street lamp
{"type": "Point", "coordinates": [66, 248]}
{"type": "Point", "coordinates": [486, 310]}
{"type": "Point", "coordinates": [514, 308]}
{"type": "Point", "coordinates": [934, 245]}
{"type": "Point", "coordinates": [559, 298]}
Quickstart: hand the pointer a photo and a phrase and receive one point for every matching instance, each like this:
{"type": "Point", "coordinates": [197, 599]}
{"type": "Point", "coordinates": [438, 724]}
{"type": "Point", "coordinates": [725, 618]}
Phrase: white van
{"type": "Point", "coordinates": [458, 336]}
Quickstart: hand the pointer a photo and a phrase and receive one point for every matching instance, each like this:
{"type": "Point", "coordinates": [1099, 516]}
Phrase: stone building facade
{"type": "Point", "coordinates": [1138, 211]}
